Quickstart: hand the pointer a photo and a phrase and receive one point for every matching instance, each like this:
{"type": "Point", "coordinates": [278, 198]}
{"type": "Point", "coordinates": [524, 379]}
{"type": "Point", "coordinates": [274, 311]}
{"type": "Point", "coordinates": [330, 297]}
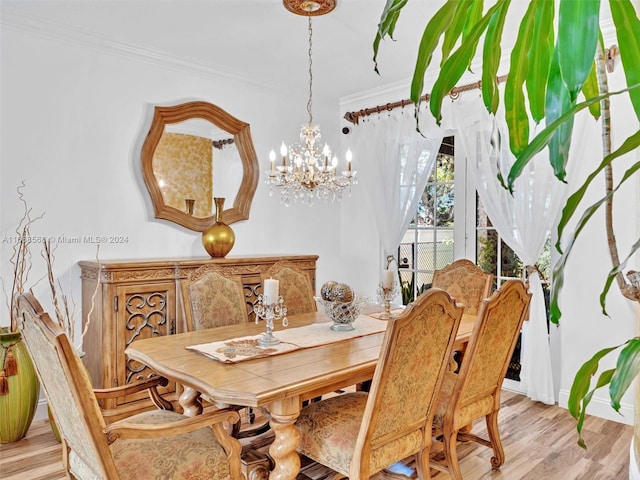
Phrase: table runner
{"type": "Point", "coordinates": [246, 348]}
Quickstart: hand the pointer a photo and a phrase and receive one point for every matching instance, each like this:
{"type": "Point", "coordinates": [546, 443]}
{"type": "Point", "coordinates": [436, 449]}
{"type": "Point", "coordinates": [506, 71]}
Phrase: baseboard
{"type": "Point", "coordinates": [41, 410]}
{"type": "Point", "coordinates": [602, 408]}
{"type": "Point", "coordinates": [512, 386]}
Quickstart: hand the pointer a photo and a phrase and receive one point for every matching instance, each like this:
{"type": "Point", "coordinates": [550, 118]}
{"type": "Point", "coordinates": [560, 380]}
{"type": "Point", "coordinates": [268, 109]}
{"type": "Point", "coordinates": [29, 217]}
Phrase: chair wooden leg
{"type": "Point", "coordinates": [450, 441]}
{"type": "Point", "coordinates": [494, 437]}
{"type": "Point", "coordinates": [422, 464]}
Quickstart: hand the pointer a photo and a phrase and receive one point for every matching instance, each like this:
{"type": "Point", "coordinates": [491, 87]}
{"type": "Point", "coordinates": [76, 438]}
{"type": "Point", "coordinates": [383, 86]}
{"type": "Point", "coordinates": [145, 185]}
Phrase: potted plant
{"type": "Point", "coordinates": [19, 386]}
{"type": "Point", "coordinates": [553, 60]}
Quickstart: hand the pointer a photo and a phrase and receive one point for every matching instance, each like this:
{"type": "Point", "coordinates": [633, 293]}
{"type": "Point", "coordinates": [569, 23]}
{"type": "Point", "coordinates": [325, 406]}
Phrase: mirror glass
{"type": "Point", "coordinates": [193, 153]}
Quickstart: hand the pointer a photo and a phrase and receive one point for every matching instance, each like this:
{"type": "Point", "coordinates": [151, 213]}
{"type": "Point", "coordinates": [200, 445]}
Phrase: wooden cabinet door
{"type": "Point", "coordinates": [142, 311]}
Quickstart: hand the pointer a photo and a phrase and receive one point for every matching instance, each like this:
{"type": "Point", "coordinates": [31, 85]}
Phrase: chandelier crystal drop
{"type": "Point", "coordinates": [307, 170]}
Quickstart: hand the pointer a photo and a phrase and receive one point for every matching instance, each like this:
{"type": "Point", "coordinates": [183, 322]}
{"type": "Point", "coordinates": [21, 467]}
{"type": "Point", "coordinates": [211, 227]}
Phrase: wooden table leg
{"type": "Point", "coordinates": [190, 402]}
{"type": "Point", "coordinates": [287, 437]}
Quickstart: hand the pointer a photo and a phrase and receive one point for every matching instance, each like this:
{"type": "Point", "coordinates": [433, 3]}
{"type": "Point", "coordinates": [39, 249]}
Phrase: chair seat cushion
{"type": "Point", "coordinates": [463, 416]}
{"type": "Point", "coordinates": [329, 429]}
{"type": "Point", "coordinates": [194, 455]}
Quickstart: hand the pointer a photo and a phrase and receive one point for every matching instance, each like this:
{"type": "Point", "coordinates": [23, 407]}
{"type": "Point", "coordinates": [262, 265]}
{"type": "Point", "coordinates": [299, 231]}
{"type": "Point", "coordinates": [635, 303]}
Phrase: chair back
{"type": "Point", "coordinates": [212, 299]}
{"type": "Point", "coordinates": [67, 387]}
{"type": "Point", "coordinates": [414, 355]}
{"type": "Point", "coordinates": [294, 287]}
{"type": "Point", "coordinates": [491, 346]}
{"type": "Point", "coordinates": [464, 281]}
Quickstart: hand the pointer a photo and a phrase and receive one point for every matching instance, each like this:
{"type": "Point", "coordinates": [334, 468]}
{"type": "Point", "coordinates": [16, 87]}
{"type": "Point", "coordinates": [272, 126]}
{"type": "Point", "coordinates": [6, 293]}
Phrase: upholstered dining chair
{"type": "Point", "coordinates": [213, 299]}
{"type": "Point", "coordinates": [294, 287]}
{"type": "Point", "coordinates": [358, 434]}
{"type": "Point", "coordinates": [464, 281]}
{"type": "Point", "coordinates": [474, 392]}
{"type": "Point", "coordinates": [156, 444]}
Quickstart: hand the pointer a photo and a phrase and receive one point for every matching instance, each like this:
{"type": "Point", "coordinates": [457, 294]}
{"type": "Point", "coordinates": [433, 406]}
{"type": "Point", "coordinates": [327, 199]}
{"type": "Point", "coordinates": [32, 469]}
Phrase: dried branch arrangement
{"type": "Point", "coordinates": [21, 258]}
{"type": "Point", "coordinates": [63, 311]}
{"type": "Point", "coordinates": [64, 314]}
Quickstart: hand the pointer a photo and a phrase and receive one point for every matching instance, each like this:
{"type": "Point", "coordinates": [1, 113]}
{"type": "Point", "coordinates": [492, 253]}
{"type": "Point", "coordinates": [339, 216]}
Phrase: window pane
{"type": "Point", "coordinates": [428, 244]}
{"type": "Point", "coordinates": [444, 247]}
{"type": "Point", "coordinates": [445, 199]}
{"type": "Point", "coordinates": [487, 250]}
{"type": "Point", "coordinates": [511, 265]}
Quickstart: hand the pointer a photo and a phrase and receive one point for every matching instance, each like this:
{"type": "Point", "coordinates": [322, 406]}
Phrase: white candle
{"type": "Point", "coordinates": [270, 291]}
{"type": "Point", "coordinates": [272, 158]}
{"type": "Point", "coordinates": [387, 279]}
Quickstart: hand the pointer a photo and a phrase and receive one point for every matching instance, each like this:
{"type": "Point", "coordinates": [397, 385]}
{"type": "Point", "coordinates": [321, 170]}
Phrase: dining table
{"type": "Point", "coordinates": [277, 383]}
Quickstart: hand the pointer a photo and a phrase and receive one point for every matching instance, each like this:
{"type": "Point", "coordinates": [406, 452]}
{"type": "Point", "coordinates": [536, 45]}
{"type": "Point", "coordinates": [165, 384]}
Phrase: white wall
{"type": "Point", "coordinates": [74, 117]}
{"type": "Point", "coordinates": [583, 329]}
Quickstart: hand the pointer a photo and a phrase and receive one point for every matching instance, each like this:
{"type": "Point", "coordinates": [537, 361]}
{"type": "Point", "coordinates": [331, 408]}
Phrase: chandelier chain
{"type": "Point", "coordinates": [308, 170]}
{"type": "Point", "coordinates": [309, 103]}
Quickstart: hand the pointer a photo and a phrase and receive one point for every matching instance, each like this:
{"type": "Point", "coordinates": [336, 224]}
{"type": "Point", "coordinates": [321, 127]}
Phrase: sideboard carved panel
{"type": "Point", "coordinates": [140, 299]}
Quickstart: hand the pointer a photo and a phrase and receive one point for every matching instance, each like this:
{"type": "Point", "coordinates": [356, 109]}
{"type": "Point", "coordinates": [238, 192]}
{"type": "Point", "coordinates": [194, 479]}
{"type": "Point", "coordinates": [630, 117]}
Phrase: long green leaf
{"type": "Point", "coordinates": [386, 26]}
{"type": "Point", "coordinates": [628, 31]}
{"type": "Point", "coordinates": [582, 380]}
{"type": "Point", "coordinates": [515, 109]}
{"type": "Point", "coordinates": [614, 271]}
{"type": "Point", "coordinates": [627, 370]}
{"type": "Point", "coordinates": [452, 34]}
{"type": "Point", "coordinates": [590, 90]}
{"type": "Point", "coordinates": [455, 66]}
{"type": "Point", "coordinates": [540, 55]}
{"type": "Point", "coordinates": [432, 32]}
{"type": "Point", "coordinates": [474, 16]}
{"type": "Point", "coordinates": [558, 102]}
{"type": "Point", "coordinates": [578, 28]}
{"type": "Point", "coordinates": [603, 379]}
{"type": "Point", "coordinates": [558, 269]}
{"type": "Point", "coordinates": [571, 205]}
{"type": "Point", "coordinates": [491, 54]}
{"type": "Point", "coordinates": [542, 139]}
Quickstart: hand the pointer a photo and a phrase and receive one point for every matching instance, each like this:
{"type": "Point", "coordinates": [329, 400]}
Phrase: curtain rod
{"type": "Point", "coordinates": [354, 117]}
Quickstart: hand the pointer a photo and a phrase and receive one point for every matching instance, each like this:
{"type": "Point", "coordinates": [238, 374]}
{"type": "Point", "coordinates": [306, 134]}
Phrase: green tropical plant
{"type": "Point", "coordinates": [406, 290]}
{"type": "Point", "coordinates": [552, 63]}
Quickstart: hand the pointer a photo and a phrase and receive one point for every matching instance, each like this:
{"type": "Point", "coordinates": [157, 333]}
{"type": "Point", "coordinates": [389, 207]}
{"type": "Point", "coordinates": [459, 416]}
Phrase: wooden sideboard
{"type": "Point", "coordinates": [135, 299]}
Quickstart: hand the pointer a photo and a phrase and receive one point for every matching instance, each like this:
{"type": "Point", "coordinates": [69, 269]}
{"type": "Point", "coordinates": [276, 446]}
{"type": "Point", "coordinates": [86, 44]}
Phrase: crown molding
{"type": "Point", "coordinates": [38, 26]}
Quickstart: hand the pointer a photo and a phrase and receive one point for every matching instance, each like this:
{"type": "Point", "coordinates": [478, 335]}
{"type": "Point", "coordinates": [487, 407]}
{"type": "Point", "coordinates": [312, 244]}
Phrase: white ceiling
{"type": "Point", "coordinates": [257, 40]}
{"type": "Point", "coordinates": [254, 39]}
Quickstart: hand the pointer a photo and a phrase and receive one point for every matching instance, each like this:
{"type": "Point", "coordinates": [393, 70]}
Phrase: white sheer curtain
{"type": "Point", "coordinates": [399, 162]}
{"type": "Point", "coordinates": [523, 220]}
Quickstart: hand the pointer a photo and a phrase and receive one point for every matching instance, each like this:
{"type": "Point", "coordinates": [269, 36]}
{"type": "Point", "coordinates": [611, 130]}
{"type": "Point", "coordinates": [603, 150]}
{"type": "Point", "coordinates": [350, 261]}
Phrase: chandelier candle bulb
{"type": "Point", "coordinates": [272, 158]}
{"type": "Point", "coordinates": [271, 287]}
{"type": "Point", "coordinates": [283, 152]}
{"type": "Point", "coordinates": [387, 279]}
{"type": "Point", "coordinates": [349, 157]}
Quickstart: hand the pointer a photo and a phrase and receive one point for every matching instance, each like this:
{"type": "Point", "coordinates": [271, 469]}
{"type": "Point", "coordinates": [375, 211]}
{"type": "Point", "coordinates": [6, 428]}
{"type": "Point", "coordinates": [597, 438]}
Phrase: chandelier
{"type": "Point", "coordinates": [308, 170]}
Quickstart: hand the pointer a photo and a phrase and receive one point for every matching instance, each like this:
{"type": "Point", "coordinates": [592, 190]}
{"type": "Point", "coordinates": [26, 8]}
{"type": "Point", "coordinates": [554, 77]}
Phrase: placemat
{"type": "Point", "coordinates": [246, 348]}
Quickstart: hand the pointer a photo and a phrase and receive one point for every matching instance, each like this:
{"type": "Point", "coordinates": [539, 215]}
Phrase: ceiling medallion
{"type": "Point", "coordinates": [310, 7]}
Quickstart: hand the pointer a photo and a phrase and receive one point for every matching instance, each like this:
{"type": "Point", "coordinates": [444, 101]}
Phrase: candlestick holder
{"type": "Point", "coordinates": [269, 313]}
{"type": "Point", "coordinates": [386, 294]}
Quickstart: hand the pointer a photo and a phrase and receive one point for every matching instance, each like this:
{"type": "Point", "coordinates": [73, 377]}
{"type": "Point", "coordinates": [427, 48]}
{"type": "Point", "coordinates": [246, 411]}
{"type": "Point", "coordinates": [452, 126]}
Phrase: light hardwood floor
{"type": "Point", "coordinates": [539, 441]}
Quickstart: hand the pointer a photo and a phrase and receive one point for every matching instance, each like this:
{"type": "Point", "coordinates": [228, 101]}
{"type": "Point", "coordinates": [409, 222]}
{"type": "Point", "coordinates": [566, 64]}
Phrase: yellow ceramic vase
{"type": "Point", "coordinates": [19, 387]}
{"type": "Point", "coordinates": [218, 238]}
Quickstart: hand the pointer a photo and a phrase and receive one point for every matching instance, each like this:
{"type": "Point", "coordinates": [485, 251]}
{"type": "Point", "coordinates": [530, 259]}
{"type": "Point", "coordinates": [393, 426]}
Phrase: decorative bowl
{"type": "Point", "coordinates": [343, 314]}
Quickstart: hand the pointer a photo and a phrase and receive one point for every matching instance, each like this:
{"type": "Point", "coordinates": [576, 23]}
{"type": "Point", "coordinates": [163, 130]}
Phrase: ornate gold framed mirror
{"type": "Point", "coordinates": [193, 152]}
